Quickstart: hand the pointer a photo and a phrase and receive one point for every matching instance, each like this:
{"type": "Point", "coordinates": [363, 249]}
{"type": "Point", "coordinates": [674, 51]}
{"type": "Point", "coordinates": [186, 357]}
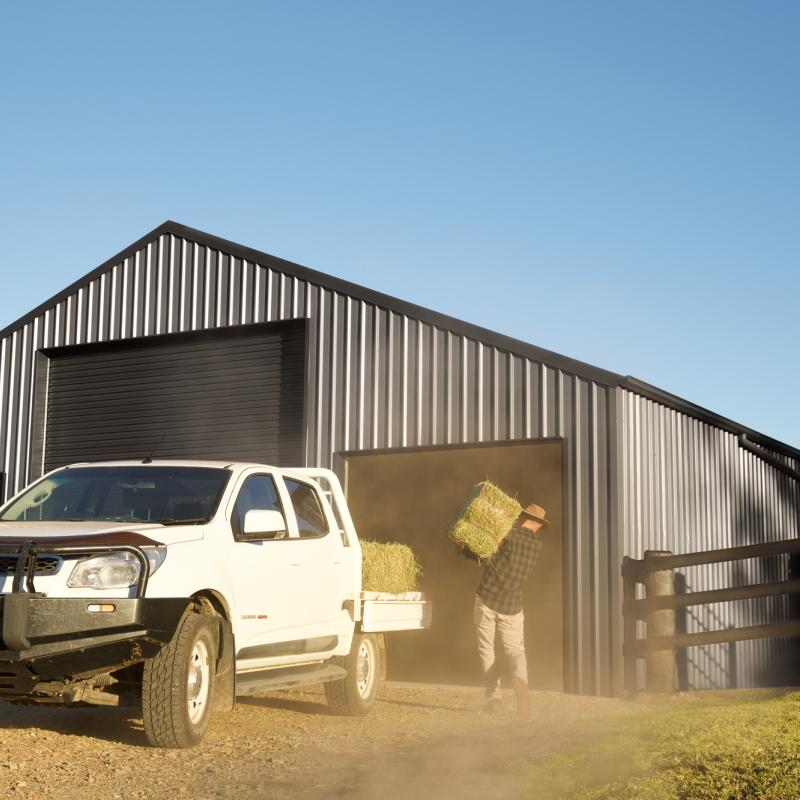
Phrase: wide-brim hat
{"type": "Point", "coordinates": [536, 512]}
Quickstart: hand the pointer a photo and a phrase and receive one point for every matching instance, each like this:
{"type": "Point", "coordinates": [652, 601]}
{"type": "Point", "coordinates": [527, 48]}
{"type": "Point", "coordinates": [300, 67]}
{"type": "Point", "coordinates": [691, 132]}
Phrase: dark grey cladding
{"type": "Point", "coordinates": [642, 469]}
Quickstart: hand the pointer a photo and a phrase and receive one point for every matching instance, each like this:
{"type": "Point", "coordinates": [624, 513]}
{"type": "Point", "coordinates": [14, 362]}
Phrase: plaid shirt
{"type": "Point", "coordinates": [505, 575]}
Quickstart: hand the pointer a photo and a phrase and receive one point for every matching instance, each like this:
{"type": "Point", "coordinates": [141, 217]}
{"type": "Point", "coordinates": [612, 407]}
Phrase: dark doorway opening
{"type": "Point", "coordinates": [410, 496]}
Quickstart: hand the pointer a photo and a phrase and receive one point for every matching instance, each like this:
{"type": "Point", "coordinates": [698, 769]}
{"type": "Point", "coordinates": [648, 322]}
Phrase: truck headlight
{"type": "Point", "coordinates": [113, 570]}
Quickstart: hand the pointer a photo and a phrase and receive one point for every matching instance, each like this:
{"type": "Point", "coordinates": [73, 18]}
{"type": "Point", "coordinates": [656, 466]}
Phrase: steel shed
{"type": "Point", "coordinates": [642, 469]}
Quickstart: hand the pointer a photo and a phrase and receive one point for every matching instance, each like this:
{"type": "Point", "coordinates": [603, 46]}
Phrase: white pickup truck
{"type": "Point", "coordinates": [182, 584]}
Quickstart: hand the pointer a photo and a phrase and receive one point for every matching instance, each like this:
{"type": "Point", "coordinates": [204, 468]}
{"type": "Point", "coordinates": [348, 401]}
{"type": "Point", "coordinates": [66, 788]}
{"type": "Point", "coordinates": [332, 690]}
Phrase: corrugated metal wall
{"type": "Point", "coordinates": [689, 486]}
{"type": "Point", "coordinates": [378, 379]}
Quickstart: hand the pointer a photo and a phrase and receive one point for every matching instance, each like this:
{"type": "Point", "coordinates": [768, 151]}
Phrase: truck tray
{"type": "Point", "coordinates": [383, 612]}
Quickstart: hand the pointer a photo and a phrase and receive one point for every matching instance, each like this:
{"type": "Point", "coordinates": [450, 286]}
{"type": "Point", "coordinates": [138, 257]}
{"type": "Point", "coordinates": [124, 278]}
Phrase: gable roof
{"type": "Point", "coordinates": [443, 321]}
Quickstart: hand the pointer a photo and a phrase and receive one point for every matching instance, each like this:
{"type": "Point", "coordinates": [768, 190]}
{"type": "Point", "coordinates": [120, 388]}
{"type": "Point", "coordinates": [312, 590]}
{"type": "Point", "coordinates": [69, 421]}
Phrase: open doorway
{"type": "Point", "coordinates": [410, 496]}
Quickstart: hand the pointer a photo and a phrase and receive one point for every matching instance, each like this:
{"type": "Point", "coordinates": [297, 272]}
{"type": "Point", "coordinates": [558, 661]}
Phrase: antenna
{"type": "Point", "coordinates": [148, 458]}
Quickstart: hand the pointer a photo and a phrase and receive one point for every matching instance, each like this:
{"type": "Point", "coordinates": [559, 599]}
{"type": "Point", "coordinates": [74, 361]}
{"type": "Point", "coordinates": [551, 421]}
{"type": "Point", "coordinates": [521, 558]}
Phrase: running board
{"type": "Point", "coordinates": [266, 680]}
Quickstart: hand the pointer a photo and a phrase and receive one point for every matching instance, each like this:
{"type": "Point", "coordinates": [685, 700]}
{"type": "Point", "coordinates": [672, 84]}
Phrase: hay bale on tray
{"type": "Point", "coordinates": [388, 567]}
{"type": "Point", "coordinates": [484, 520]}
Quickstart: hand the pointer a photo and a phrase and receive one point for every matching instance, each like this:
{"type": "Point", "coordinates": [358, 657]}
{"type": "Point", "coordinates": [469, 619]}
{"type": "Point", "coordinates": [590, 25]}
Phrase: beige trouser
{"type": "Point", "coordinates": [510, 629]}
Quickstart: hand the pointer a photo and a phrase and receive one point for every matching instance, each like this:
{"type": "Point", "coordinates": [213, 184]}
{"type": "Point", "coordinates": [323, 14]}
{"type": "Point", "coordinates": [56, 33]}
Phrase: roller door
{"type": "Point", "coordinates": [231, 394]}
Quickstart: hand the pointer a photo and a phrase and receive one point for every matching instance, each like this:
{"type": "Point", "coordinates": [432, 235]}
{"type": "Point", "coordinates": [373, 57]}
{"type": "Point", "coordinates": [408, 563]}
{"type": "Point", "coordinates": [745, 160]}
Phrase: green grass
{"type": "Point", "coordinates": [731, 745]}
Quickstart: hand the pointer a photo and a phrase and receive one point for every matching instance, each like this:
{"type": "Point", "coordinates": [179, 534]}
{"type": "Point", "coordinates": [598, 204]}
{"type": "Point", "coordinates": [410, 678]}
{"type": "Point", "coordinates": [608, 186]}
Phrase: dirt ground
{"type": "Point", "coordinates": [417, 742]}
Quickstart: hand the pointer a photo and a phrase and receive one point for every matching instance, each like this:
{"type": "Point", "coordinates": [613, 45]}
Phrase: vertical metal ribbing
{"type": "Point", "coordinates": [91, 317]}
{"type": "Point", "coordinates": [185, 295]}
{"type": "Point", "coordinates": [404, 384]}
{"type": "Point", "coordinates": [376, 373]}
{"type": "Point", "coordinates": [135, 330]}
{"type": "Point", "coordinates": [13, 400]}
{"type": "Point", "coordinates": [433, 377]}
{"type": "Point", "coordinates": [347, 366]}
{"type": "Point", "coordinates": [258, 289]}
{"type": "Point", "coordinates": [105, 299]}
{"type": "Point", "coordinates": [79, 317]}
{"type": "Point", "coordinates": [320, 387]}
{"type": "Point", "coordinates": [544, 400]}
{"type": "Point", "coordinates": [36, 343]}
{"type": "Point", "coordinates": [479, 391]}
{"type": "Point", "coordinates": [337, 386]}
{"type": "Point", "coordinates": [571, 426]}
{"type": "Point", "coordinates": [362, 354]}
{"type": "Point", "coordinates": [69, 332]}
{"type": "Point", "coordinates": [390, 374]}
{"type": "Point", "coordinates": [22, 406]}
{"type": "Point", "coordinates": [527, 399]}
{"type": "Point", "coordinates": [158, 279]}
{"type": "Point", "coordinates": [448, 387]}
{"type": "Point", "coordinates": [146, 312]}
{"type": "Point", "coordinates": [231, 306]}
{"type": "Point", "coordinates": [594, 555]}
{"type": "Point", "coordinates": [5, 405]}
{"type": "Point", "coordinates": [464, 389]}
{"type": "Point", "coordinates": [418, 385]}
{"type": "Point", "coordinates": [282, 296]}
{"type": "Point", "coordinates": [492, 389]}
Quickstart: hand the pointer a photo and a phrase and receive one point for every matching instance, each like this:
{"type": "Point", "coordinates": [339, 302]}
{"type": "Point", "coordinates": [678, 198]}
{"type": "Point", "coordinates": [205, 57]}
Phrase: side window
{"type": "Point", "coordinates": [257, 492]}
{"type": "Point", "coordinates": [311, 520]}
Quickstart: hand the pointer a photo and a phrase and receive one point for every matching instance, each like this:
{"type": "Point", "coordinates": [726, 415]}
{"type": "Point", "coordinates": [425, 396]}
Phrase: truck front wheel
{"type": "Point", "coordinates": [178, 685]}
{"type": "Point", "coordinates": [355, 694]}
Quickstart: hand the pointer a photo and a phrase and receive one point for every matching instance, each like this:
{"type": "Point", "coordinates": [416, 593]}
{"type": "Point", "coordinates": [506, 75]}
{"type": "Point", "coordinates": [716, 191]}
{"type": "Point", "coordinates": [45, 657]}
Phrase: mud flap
{"type": "Point", "coordinates": [225, 673]}
{"type": "Point", "coordinates": [382, 648]}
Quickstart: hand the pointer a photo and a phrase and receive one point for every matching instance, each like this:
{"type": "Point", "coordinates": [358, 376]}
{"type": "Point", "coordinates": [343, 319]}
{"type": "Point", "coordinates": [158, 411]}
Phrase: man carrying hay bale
{"type": "Point", "coordinates": [498, 606]}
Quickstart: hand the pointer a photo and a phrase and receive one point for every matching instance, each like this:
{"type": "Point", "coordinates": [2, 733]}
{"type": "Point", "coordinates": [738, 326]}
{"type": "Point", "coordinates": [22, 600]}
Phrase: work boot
{"type": "Point", "coordinates": [521, 693]}
{"type": "Point", "coordinates": [493, 705]}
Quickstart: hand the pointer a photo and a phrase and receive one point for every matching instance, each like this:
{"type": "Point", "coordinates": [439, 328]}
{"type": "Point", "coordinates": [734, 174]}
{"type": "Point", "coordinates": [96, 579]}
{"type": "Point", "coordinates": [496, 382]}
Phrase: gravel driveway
{"type": "Point", "coordinates": [418, 742]}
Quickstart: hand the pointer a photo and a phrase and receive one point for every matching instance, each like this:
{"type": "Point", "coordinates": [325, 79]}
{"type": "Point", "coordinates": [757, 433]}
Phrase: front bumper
{"type": "Point", "coordinates": [56, 639]}
{"type": "Point", "coordinates": [61, 640]}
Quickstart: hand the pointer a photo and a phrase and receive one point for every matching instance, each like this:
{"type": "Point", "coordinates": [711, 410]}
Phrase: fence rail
{"type": "Point", "coordinates": [658, 608]}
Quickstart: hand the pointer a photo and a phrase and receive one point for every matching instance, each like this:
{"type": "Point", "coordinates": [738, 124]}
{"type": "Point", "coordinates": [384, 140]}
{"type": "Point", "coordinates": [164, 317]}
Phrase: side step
{"type": "Point", "coordinates": [266, 680]}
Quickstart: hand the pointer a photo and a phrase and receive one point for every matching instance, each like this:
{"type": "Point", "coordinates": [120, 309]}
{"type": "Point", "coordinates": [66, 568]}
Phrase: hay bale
{"type": "Point", "coordinates": [388, 567]}
{"type": "Point", "coordinates": [484, 520]}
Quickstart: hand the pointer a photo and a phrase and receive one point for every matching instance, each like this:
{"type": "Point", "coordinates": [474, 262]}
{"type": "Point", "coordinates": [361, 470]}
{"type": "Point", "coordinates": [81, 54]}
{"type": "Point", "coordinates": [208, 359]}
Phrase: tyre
{"type": "Point", "coordinates": [178, 685]}
{"type": "Point", "coordinates": [355, 694]}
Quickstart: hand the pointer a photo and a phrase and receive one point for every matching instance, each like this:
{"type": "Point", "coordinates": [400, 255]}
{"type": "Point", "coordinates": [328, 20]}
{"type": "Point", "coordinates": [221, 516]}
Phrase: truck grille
{"type": "Point", "coordinates": [45, 565]}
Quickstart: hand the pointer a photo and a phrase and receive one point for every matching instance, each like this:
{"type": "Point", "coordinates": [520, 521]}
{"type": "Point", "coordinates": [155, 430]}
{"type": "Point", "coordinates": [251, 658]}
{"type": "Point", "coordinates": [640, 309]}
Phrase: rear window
{"type": "Point", "coordinates": [169, 495]}
{"type": "Point", "coordinates": [311, 520]}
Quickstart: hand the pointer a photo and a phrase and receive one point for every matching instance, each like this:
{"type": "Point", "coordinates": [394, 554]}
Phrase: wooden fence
{"type": "Point", "coordinates": [658, 608]}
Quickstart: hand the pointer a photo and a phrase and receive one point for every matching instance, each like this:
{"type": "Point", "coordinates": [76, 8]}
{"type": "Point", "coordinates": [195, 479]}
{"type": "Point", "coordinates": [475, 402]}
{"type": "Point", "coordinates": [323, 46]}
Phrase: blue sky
{"type": "Point", "coordinates": [618, 182]}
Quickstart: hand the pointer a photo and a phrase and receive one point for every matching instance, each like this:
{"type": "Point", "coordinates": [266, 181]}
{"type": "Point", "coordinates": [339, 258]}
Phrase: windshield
{"type": "Point", "coordinates": [169, 495]}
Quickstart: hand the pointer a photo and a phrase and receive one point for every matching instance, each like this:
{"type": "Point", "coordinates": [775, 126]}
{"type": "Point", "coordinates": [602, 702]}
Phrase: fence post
{"type": "Point", "coordinates": [629, 625]}
{"type": "Point", "coordinates": [681, 655]}
{"type": "Point", "coordinates": [660, 674]}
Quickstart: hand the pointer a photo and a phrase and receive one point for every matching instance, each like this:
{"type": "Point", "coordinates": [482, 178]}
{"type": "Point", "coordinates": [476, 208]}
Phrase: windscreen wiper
{"type": "Point", "coordinates": [174, 521]}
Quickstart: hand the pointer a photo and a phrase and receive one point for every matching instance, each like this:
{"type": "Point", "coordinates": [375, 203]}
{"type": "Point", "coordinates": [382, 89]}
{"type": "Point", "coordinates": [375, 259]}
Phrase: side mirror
{"type": "Point", "coordinates": [259, 523]}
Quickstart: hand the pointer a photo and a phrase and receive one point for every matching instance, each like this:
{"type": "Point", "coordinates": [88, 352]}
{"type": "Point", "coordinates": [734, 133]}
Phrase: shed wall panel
{"type": "Point", "coordinates": [382, 377]}
{"type": "Point", "coordinates": [689, 486]}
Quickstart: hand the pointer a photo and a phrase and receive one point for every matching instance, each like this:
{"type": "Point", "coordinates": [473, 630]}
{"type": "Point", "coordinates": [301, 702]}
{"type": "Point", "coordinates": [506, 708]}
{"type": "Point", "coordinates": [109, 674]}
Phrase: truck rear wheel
{"type": "Point", "coordinates": [178, 685]}
{"type": "Point", "coordinates": [355, 694]}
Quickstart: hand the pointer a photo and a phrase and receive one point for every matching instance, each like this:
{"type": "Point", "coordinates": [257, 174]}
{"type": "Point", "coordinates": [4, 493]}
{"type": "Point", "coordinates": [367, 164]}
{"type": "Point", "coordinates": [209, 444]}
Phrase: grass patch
{"type": "Point", "coordinates": [484, 520]}
{"type": "Point", "coordinates": [731, 745]}
{"type": "Point", "coordinates": [388, 567]}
